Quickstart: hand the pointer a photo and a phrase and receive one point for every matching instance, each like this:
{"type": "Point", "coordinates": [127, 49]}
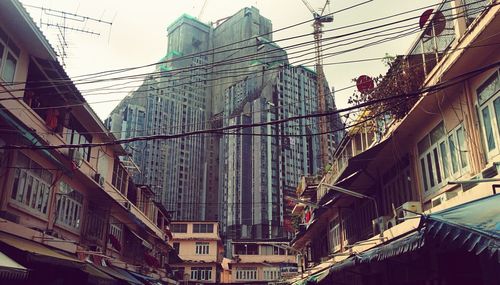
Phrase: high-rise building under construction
{"type": "Point", "coordinates": [213, 77]}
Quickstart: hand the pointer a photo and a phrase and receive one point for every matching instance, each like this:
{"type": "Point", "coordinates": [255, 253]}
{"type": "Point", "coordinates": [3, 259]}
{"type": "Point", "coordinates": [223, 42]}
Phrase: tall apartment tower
{"type": "Point", "coordinates": [262, 165]}
{"type": "Point", "coordinates": [236, 52]}
{"type": "Point", "coordinates": [215, 76]}
{"type": "Point", "coordinates": [175, 99]}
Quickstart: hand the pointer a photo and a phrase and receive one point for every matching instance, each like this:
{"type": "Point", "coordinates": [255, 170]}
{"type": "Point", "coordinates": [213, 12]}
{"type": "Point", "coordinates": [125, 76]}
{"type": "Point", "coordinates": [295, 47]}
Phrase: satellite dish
{"type": "Point", "coordinates": [438, 21]}
{"type": "Point", "coordinates": [365, 84]}
{"type": "Point", "coordinates": [424, 18]}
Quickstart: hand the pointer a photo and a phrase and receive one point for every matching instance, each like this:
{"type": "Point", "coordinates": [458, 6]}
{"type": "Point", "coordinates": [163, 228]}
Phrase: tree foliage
{"type": "Point", "coordinates": [404, 76]}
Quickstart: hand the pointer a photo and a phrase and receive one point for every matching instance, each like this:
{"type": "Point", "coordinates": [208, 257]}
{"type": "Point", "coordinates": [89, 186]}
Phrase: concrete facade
{"type": "Point", "coordinates": [211, 77]}
{"type": "Point", "coordinates": [79, 200]}
{"type": "Point", "coordinates": [199, 245]}
{"type": "Point", "coordinates": [260, 261]}
{"type": "Point", "coordinates": [420, 163]}
{"type": "Point", "coordinates": [262, 166]}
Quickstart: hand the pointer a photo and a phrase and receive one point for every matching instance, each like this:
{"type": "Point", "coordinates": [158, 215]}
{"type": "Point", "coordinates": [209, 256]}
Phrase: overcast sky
{"type": "Point", "coordinates": [138, 34]}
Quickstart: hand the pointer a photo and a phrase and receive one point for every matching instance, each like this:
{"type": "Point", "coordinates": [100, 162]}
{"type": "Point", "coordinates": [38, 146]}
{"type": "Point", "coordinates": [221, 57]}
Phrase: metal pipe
{"type": "Point", "coordinates": [474, 181]}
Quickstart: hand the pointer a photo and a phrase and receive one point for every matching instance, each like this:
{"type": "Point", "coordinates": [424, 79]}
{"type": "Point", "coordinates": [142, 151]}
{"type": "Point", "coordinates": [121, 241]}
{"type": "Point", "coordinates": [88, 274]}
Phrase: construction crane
{"type": "Point", "coordinates": [202, 10]}
{"type": "Point", "coordinates": [319, 19]}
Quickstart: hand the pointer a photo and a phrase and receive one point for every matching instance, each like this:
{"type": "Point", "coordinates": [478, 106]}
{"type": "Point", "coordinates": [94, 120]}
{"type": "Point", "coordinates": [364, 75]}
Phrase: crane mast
{"type": "Point", "coordinates": [319, 19]}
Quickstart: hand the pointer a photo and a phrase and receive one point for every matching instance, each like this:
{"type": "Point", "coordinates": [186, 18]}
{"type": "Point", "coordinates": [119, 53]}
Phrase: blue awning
{"type": "Point", "coordinates": [146, 279]}
{"type": "Point", "coordinates": [410, 242]}
{"type": "Point", "coordinates": [474, 226]}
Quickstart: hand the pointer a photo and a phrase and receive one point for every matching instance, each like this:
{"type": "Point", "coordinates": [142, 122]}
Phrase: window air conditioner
{"type": "Point", "coordinates": [383, 223]}
{"type": "Point", "coordinates": [471, 184]}
{"type": "Point", "coordinates": [438, 200]}
{"type": "Point", "coordinates": [490, 172]}
{"type": "Point", "coordinates": [408, 210]}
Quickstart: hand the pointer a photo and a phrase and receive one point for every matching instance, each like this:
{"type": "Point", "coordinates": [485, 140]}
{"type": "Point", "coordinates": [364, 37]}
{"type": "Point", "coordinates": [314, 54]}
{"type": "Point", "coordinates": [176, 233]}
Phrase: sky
{"type": "Point", "coordinates": [138, 36]}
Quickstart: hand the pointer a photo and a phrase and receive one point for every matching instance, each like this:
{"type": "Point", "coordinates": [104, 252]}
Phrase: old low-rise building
{"type": "Point", "coordinates": [199, 246]}
{"type": "Point", "coordinates": [418, 203]}
{"type": "Point", "coordinates": [68, 214]}
{"type": "Point", "coordinates": [260, 262]}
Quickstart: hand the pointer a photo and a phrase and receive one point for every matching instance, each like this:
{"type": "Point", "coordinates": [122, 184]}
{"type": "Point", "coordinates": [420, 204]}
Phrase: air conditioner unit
{"type": "Point", "coordinates": [99, 179]}
{"type": "Point", "coordinates": [383, 223]}
{"type": "Point", "coordinates": [408, 210]}
{"type": "Point", "coordinates": [438, 200]}
{"type": "Point", "coordinates": [471, 184]}
{"type": "Point", "coordinates": [490, 172]}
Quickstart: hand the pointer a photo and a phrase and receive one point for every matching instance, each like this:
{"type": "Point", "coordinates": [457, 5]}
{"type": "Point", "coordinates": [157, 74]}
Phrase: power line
{"type": "Point", "coordinates": [427, 89]}
{"type": "Point", "coordinates": [212, 51]}
{"type": "Point", "coordinates": [181, 84]}
{"type": "Point", "coordinates": [253, 38]}
{"type": "Point", "coordinates": [265, 110]}
{"type": "Point", "coordinates": [285, 57]}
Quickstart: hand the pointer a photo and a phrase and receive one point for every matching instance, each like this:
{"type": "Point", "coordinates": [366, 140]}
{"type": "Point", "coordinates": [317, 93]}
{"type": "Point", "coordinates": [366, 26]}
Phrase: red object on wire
{"type": "Point", "coordinates": [365, 84]}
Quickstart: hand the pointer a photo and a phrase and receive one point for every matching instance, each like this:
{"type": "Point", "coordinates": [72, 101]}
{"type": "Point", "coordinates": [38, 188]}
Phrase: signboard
{"type": "Point", "coordinates": [288, 270]}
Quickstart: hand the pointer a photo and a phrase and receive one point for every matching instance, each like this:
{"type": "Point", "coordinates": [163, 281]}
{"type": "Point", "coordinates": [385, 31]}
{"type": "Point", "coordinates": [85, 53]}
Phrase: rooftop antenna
{"type": "Point", "coordinates": [65, 21]}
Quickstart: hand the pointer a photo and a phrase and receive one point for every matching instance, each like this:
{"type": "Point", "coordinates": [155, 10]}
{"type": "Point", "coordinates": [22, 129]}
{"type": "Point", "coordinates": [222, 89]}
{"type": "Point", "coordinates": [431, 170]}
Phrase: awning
{"type": "Point", "coordinates": [120, 274]}
{"type": "Point", "coordinates": [146, 279]}
{"type": "Point", "coordinates": [410, 242]}
{"type": "Point", "coordinates": [313, 278]}
{"type": "Point", "coordinates": [169, 281]}
{"type": "Point", "coordinates": [351, 261]}
{"type": "Point", "coordinates": [318, 277]}
{"type": "Point", "coordinates": [11, 270]}
{"type": "Point", "coordinates": [36, 252]}
{"type": "Point", "coordinates": [95, 276]}
{"type": "Point", "coordinates": [474, 226]}
{"type": "Point", "coordinates": [361, 161]}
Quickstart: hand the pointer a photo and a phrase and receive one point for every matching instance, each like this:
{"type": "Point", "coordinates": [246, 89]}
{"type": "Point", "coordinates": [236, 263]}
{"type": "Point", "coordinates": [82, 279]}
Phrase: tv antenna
{"type": "Point", "coordinates": [63, 22]}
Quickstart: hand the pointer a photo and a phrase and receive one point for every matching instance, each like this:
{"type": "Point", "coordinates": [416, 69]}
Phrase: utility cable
{"type": "Point", "coordinates": [253, 38]}
{"type": "Point", "coordinates": [427, 89]}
